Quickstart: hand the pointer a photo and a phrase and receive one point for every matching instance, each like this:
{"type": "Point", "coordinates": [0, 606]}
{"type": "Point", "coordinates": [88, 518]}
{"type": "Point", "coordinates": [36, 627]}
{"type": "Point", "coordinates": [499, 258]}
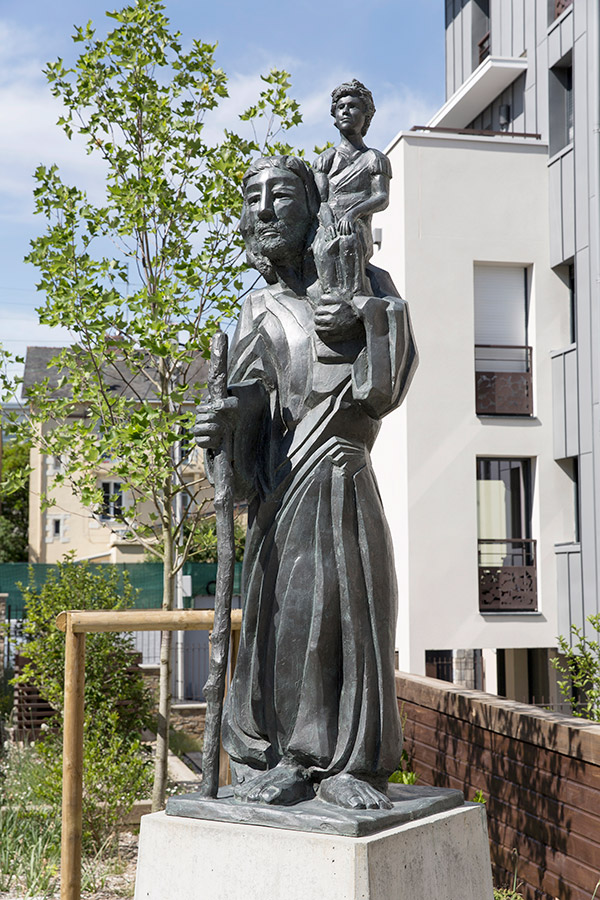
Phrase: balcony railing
{"type": "Point", "coordinates": [484, 47]}
{"type": "Point", "coordinates": [560, 6]}
{"type": "Point", "coordinates": [507, 575]}
{"type": "Point", "coordinates": [503, 380]}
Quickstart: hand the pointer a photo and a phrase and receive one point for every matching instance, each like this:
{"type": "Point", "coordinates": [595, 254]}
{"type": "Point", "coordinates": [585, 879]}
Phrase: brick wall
{"type": "Point", "coordinates": [539, 771]}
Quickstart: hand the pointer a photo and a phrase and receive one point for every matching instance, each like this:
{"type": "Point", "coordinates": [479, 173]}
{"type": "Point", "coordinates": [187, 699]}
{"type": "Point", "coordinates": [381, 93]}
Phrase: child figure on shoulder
{"type": "Point", "coordinates": [353, 182]}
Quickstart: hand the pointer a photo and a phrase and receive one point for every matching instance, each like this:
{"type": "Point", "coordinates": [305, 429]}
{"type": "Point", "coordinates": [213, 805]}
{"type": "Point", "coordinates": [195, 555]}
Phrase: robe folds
{"type": "Point", "coordinates": [314, 680]}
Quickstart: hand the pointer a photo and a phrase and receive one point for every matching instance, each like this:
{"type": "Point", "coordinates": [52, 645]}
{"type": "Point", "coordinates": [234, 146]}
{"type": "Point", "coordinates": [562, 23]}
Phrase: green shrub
{"type": "Point", "coordinates": [580, 666]}
{"type": "Point", "coordinates": [116, 767]}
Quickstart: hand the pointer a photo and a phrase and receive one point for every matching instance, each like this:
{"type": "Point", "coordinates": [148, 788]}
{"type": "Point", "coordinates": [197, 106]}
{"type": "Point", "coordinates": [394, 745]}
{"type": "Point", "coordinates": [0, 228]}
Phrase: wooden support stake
{"type": "Point", "coordinates": [70, 866]}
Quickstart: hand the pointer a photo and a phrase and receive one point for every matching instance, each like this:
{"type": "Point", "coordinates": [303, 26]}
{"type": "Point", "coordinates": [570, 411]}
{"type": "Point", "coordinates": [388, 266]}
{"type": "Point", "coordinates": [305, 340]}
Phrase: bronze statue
{"type": "Point", "coordinates": [312, 705]}
{"type": "Point", "coordinates": [353, 182]}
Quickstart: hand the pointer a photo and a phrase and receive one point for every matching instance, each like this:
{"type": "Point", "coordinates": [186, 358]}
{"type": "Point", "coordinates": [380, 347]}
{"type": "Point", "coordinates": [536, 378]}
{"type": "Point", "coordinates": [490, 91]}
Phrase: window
{"type": "Point", "coordinates": [57, 529]}
{"type": "Point", "coordinates": [503, 357]}
{"type": "Point", "coordinates": [572, 305]}
{"type": "Point", "coordinates": [480, 31]}
{"type": "Point", "coordinates": [507, 567]}
{"type": "Point", "coordinates": [560, 100]}
{"type": "Point", "coordinates": [112, 500]}
{"type": "Point", "coordinates": [556, 8]}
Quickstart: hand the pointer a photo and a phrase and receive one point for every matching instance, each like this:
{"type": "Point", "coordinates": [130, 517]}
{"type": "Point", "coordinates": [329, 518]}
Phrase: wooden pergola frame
{"type": "Point", "coordinates": [76, 624]}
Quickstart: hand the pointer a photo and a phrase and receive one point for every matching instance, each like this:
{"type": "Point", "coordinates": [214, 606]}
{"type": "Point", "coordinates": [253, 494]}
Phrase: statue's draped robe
{"type": "Point", "coordinates": [314, 680]}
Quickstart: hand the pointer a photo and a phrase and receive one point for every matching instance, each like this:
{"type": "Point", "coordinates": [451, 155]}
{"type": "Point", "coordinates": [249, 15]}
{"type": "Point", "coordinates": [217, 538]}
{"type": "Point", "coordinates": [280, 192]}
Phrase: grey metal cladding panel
{"type": "Point", "coordinates": [530, 104]}
{"type": "Point", "coordinates": [571, 404]}
{"type": "Point", "coordinates": [568, 205]}
{"type": "Point", "coordinates": [554, 192]}
{"type": "Point", "coordinates": [518, 27]}
{"type": "Point", "coordinates": [581, 150]}
{"type": "Point", "coordinates": [566, 34]}
{"type": "Point", "coordinates": [542, 89]}
{"type": "Point", "coordinates": [449, 60]}
{"type": "Point", "coordinates": [563, 593]}
{"type": "Point", "coordinates": [496, 15]}
{"type": "Point", "coordinates": [554, 51]}
{"type": "Point", "coordinates": [584, 350]}
{"type": "Point", "coordinates": [589, 537]}
{"type": "Point", "coordinates": [466, 38]}
{"type": "Point", "coordinates": [541, 20]}
{"type": "Point", "coordinates": [575, 586]}
{"type": "Point", "coordinates": [580, 18]}
{"type": "Point", "coordinates": [530, 27]}
{"type": "Point", "coordinates": [506, 29]}
{"type": "Point", "coordinates": [518, 104]}
{"type": "Point", "coordinates": [458, 49]}
{"type": "Point", "coordinates": [558, 408]}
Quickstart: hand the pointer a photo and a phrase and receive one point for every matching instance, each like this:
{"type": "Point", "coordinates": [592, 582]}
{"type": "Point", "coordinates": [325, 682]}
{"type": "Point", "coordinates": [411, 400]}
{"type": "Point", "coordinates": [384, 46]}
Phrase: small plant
{"type": "Point", "coordinates": [403, 774]}
{"type": "Point", "coordinates": [479, 797]}
{"type": "Point", "coordinates": [117, 768]}
{"type": "Point", "coordinates": [30, 844]}
{"type": "Point", "coordinates": [580, 666]}
{"type": "Point", "coordinates": [510, 893]}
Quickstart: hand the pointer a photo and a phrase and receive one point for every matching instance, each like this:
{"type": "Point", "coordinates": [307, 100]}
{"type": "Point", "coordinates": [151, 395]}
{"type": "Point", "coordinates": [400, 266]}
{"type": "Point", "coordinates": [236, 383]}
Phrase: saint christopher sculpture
{"type": "Point", "coordinates": [320, 355]}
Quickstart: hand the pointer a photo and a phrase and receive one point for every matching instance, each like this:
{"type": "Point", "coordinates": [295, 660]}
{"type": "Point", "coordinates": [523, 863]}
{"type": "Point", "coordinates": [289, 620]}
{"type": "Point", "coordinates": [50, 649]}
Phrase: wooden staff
{"type": "Point", "coordinates": [214, 689]}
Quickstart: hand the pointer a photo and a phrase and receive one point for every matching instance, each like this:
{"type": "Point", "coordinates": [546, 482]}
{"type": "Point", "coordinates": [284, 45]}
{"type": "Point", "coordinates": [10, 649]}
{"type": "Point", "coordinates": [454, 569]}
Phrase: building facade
{"type": "Point", "coordinates": [490, 472]}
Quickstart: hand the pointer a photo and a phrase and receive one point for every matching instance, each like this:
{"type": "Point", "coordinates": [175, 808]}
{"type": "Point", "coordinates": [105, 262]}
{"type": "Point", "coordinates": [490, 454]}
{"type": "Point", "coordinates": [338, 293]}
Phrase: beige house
{"type": "Point", "coordinates": [70, 527]}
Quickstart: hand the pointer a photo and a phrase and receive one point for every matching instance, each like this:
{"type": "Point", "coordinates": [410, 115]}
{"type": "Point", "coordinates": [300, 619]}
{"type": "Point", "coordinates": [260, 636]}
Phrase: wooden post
{"type": "Point", "coordinates": [70, 865]}
{"type": "Point", "coordinates": [75, 624]}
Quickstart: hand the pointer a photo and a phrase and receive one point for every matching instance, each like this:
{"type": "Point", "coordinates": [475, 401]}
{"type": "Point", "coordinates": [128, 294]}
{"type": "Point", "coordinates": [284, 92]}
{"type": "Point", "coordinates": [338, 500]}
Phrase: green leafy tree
{"type": "Point", "coordinates": [14, 500]}
{"type": "Point", "coordinates": [579, 664]}
{"type": "Point", "coordinates": [117, 704]}
{"type": "Point", "coordinates": [143, 279]}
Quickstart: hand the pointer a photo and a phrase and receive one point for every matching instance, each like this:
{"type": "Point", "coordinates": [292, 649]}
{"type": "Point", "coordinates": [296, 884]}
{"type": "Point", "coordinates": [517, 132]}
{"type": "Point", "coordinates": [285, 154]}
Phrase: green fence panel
{"type": "Point", "coordinates": [146, 578]}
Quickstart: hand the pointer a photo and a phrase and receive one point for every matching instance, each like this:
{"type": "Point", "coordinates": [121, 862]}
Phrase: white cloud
{"type": "Point", "coordinates": [29, 114]}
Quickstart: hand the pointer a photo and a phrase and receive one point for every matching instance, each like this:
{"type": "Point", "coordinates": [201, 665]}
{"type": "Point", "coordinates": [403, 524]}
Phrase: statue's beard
{"type": "Point", "coordinates": [281, 243]}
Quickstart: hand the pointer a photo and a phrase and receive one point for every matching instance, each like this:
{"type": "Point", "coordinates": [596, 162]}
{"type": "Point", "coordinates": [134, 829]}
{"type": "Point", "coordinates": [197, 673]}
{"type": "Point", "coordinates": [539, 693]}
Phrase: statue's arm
{"type": "Point", "coordinates": [384, 369]}
{"type": "Point", "coordinates": [376, 200]}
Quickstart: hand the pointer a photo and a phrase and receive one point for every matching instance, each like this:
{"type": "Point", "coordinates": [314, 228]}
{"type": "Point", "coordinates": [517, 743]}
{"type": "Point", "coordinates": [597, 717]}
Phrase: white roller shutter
{"type": "Point", "coordinates": [500, 305]}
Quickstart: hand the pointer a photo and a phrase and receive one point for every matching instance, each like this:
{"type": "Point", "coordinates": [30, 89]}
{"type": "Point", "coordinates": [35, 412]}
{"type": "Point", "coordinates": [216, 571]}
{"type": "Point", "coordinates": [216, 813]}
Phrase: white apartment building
{"type": "Point", "coordinates": [489, 471]}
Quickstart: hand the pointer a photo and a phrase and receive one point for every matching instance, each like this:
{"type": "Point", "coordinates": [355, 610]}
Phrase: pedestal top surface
{"type": "Point", "coordinates": [410, 802]}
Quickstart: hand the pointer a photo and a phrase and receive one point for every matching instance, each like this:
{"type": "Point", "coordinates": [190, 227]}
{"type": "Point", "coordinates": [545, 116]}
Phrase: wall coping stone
{"type": "Point", "coordinates": [569, 735]}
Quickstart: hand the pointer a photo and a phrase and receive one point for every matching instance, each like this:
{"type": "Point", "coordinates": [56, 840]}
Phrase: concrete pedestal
{"type": "Point", "coordinates": [445, 856]}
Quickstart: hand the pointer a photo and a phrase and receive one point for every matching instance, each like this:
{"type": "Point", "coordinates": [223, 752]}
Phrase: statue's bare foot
{"type": "Point", "coordinates": [352, 793]}
{"type": "Point", "coordinates": [287, 783]}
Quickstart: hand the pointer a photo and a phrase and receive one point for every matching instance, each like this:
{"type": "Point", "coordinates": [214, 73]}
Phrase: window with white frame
{"type": "Point", "coordinates": [112, 500]}
{"type": "Point", "coordinates": [57, 529]}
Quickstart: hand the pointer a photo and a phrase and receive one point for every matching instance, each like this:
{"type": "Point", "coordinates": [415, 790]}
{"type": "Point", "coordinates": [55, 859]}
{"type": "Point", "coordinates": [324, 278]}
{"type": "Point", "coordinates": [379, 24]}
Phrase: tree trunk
{"type": "Point", "coordinates": [164, 689]}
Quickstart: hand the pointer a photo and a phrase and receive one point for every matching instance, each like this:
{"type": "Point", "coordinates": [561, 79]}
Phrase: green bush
{"type": "Point", "coordinates": [580, 666]}
{"type": "Point", "coordinates": [117, 705]}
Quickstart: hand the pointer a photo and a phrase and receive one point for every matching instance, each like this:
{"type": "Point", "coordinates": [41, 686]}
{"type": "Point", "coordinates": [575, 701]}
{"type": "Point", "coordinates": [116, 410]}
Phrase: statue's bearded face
{"type": "Point", "coordinates": [275, 217]}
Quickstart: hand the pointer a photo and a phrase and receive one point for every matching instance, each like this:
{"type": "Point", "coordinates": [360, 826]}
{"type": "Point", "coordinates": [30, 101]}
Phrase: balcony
{"type": "Point", "coordinates": [507, 575]}
{"type": "Point", "coordinates": [483, 48]}
{"type": "Point", "coordinates": [503, 380]}
{"type": "Point", "coordinates": [560, 6]}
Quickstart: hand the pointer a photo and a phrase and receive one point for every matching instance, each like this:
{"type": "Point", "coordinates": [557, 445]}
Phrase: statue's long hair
{"type": "Point", "coordinates": [355, 88]}
{"type": "Point", "coordinates": [292, 164]}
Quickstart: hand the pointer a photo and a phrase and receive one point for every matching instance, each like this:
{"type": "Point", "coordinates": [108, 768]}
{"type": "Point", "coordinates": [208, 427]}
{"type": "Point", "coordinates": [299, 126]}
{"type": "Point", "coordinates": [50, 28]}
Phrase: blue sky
{"type": "Point", "coordinates": [394, 46]}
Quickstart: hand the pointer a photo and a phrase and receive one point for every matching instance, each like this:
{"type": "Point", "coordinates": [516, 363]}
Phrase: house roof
{"type": "Point", "coordinates": [118, 376]}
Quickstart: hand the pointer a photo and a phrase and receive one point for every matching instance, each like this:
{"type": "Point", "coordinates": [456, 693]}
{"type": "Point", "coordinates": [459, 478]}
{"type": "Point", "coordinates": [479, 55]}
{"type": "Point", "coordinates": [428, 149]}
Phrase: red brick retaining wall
{"type": "Point", "coordinates": [539, 772]}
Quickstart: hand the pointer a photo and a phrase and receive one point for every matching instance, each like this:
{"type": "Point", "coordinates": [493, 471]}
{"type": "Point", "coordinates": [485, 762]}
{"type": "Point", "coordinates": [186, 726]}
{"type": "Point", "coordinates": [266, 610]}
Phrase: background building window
{"type": "Point", "coordinates": [507, 563]}
{"type": "Point", "coordinates": [503, 357]}
{"type": "Point", "coordinates": [556, 8]}
{"type": "Point", "coordinates": [560, 103]}
{"type": "Point", "coordinates": [480, 31]}
{"type": "Point", "coordinates": [112, 500]}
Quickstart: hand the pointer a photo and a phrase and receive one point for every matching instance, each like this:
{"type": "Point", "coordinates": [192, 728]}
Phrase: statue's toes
{"type": "Point", "coordinates": [270, 794]}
